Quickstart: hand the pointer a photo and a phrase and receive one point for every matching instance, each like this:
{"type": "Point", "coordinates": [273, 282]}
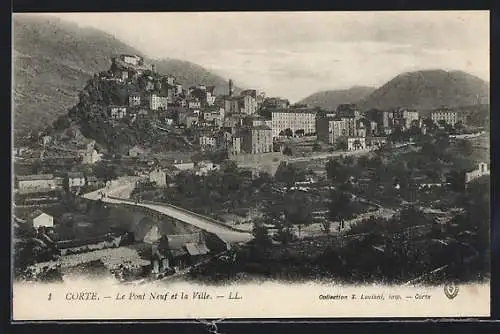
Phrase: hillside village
{"type": "Point", "coordinates": [207, 149]}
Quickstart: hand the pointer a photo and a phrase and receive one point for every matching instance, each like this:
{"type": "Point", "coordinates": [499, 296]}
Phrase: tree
{"type": "Point", "coordinates": [442, 123]}
{"type": "Point", "coordinates": [265, 113]}
{"type": "Point", "coordinates": [397, 135]}
{"type": "Point", "coordinates": [261, 235]}
{"type": "Point", "coordinates": [363, 161]}
{"type": "Point", "coordinates": [287, 150]}
{"type": "Point", "coordinates": [465, 147]}
{"type": "Point", "coordinates": [288, 174]}
{"type": "Point", "coordinates": [299, 132]}
{"type": "Point", "coordinates": [414, 132]}
{"type": "Point", "coordinates": [339, 207]}
{"type": "Point", "coordinates": [336, 171]}
{"type": "Point", "coordinates": [264, 181]}
{"type": "Point", "coordinates": [448, 128]}
{"type": "Point", "coordinates": [61, 123]}
{"type": "Point", "coordinates": [375, 162]}
{"type": "Point", "coordinates": [325, 226]}
{"type": "Point", "coordinates": [288, 132]}
{"type": "Point", "coordinates": [284, 235]}
{"type": "Point", "coordinates": [298, 211]}
{"type": "Point", "coordinates": [341, 145]}
{"type": "Point", "coordinates": [273, 213]}
{"type": "Point", "coordinates": [105, 171]}
{"type": "Point", "coordinates": [456, 179]}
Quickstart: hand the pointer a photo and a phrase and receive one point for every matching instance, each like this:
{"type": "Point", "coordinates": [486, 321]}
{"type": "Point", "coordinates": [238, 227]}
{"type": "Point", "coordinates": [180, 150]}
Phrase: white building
{"type": "Point", "coordinates": [134, 100]}
{"type": "Point", "coordinates": [157, 102]}
{"type": "Point", "coordinates": [204, 167]}
{"type": "Point", "coordinates": [46, 140]}
{"type": "Point", "coordinates": [210, 98]}
{"type": "Point", "coordinates": [38, 183]}
{"type": "Point", "coordinates": [76, 180]}
{"type": "Point", "coordinates": [232, 105]}
{"type": "Point", "coordinates": [178, 88]}
{"type": "Point", "coordinates": [194, 105]}
{"type": "Point", "coordinates": [477, 173]}
{"type": "Point", "coordinates": [249, 105]}
{"type": "Point", "coordinates": [39, 218]}
{"type": "Point", "coordinates": [208, 142]}
{"type": "Point", "coordinates": [450, 117]}
{"type": "Point", "coordinates": [410, 116]}
{"type": "Point", "coordinates": [132, 59]}
{"type": "Point", "coordinates": [90, 157]}
{"type": "Point", "coordinates": [293, 119]}
{"type": "Point", "coordinates": [117, 112]}
{"type": "Point", "coordinates": [171, 80]}
{"type": "Point", "coordinates": [181, 165]}
{"type": "Point", "coordinates": [159, 177]}
{"type": "Point", "coordinates": [356, 143]}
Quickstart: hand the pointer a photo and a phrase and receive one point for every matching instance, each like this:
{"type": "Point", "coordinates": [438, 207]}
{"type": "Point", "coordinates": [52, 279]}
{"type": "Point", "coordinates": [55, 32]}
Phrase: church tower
{"type": "Point", "coordinates": [230, 87]}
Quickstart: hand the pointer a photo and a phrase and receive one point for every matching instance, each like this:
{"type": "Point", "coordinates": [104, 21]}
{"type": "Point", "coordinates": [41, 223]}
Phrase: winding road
{"type": "Point", "coordinates": [120, 191]}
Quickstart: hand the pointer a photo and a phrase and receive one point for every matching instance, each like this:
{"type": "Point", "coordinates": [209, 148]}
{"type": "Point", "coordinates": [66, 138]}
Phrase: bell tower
{"type": "Point", "coordinates": [231, 87]}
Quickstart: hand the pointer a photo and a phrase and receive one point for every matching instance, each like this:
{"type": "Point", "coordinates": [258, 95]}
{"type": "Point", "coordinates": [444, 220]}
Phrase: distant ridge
{"type": "Point", "coordinates": [427, 89]}
{"type": "Point", "coordinates": [330, 99]}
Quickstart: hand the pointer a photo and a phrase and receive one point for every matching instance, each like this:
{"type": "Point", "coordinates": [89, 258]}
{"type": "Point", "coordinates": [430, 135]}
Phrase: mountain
{"type": "Point", "coordinates": [53, 59]}
{"type": "Point", "coordinates": [190, 74]}
{"type": "Point", "coordinates": [329, 99]}
{"type": "Point", "coordinates": [427, 90]}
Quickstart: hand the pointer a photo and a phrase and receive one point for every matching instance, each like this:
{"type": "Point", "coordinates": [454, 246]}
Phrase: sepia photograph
{"type": "Point", "coordinates": [250, 165]}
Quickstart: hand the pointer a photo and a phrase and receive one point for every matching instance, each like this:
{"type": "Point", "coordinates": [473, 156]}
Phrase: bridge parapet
{"type": "Point", "coordinates": [214, 221]}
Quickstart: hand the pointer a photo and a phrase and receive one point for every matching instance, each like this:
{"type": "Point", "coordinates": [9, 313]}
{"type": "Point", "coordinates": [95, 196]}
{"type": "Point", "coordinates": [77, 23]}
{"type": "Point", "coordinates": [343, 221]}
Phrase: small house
{"type": "Point", "coordinates": [182, 166]}
{"type": "Point", "coordinates": [90, 157]}
{"type": "Point", "coordinates": [76, 180]}
{"type": "Point", "coordinates": [158, 176]}
{"type": "Point", "coordinates": [204, 167]}
{"type": "Point", "coordinates": [46, 140]}
{"type": "Point", "coordinates": [356, 143]}
{"type": "Point", "coordinates": [93, 181]}
{"type": "Point", "coordinates": [134, 100]}
{"type": "Point", "coordinates": [477, 173]}
{"type": "Point", "coordinates": [186, 250]}
{"type": "Point", "coordinates": [37, 183]}
{"type": "Point", "coordinates": [38, 219]}
{"type": "Point", "coordinates": [191, 120]}
{"type": "Point", "coordinates": [117, 112]}
{"type": "Point", "coordinates": [136, 152]}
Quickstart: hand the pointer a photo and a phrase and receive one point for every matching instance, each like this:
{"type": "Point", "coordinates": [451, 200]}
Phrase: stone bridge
{"type": "Point", "coordinates": [158, 211]}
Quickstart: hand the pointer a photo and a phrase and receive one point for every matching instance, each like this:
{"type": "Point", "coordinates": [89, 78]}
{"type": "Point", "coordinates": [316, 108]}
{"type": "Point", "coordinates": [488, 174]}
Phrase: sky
{"type": "Point", "coordinates": [294, 54]}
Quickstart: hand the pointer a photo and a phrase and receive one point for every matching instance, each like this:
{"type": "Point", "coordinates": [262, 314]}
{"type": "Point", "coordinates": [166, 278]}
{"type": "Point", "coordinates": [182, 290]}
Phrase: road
{"type": "Point", "coordinates": [320, 156]}
{"type": "Point", "coordinates": [122, 188]}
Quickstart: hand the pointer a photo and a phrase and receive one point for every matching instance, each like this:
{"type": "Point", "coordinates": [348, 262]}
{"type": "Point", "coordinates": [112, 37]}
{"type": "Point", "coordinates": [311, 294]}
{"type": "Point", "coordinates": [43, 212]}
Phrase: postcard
{"type": "Point", "coordinates": [250, 165]}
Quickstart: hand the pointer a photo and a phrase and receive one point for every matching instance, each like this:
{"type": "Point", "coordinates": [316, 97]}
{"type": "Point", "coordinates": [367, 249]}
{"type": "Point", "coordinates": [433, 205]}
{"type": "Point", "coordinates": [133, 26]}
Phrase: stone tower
{"type": "Point", "coordinates": [231, 87]}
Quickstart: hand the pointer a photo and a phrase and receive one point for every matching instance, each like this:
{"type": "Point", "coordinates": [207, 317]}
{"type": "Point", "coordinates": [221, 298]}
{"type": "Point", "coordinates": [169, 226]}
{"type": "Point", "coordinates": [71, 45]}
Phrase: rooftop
{"type": "Point", "coordinates": [178, 241]}
{"type": "Point", "coordinates": [35, 214]}
{"type": "Point", "coordinates": [260, 127]}
{"type": "Point", "coordinates": [196, 248]}
{"type": "Point", "coordinates": [35, 177]}
{"type": "Point", "coordinates": [75, 174]}
{"type": "Point", "coordinates": [296, 111]}
{"type": "Point", "coordinates": [137, 147]}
